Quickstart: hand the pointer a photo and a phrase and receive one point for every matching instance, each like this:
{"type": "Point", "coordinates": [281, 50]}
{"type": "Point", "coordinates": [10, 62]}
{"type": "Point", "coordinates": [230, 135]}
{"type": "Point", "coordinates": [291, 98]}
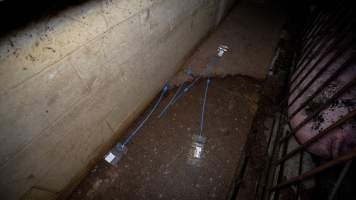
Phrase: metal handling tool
{"type": "Point", "coordinates": [197, 148]}
{"type": "Point", "coordinates": [120, 149]}
{"type": "Point", "coordinates": [213, 61]}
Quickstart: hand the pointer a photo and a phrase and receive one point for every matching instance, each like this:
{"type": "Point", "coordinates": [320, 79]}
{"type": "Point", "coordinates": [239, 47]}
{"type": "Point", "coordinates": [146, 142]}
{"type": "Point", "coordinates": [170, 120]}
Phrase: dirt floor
{"type": "Point", "coordinates": [156, 167]}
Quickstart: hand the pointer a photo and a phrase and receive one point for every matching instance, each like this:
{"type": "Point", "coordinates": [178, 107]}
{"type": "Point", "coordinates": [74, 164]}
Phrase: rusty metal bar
{"type": "Point", "coordinates": [316, 170]}
{"type": "Point", "coordinates": [329, 101]}
{"type": "Point", "coordinates": [321, 134]}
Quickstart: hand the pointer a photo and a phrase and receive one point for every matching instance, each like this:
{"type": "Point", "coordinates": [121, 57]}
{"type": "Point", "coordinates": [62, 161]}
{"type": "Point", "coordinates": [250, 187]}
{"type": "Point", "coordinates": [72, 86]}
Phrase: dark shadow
{"type": "Point", "coordinates": [15, 14]}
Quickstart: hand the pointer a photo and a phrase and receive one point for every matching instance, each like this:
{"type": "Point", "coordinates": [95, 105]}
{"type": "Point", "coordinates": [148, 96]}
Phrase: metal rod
{"type": "Point", "coordinates": [328, 102]}
{"type": "Point", "coordinates": [132, 134]}
{"type": "Point", "coordinates": [316, 170]}
{"type": "Point", "coordinates": [290, 93]}
{"type": "Point", "coordinates": [281, 168]}
{"type": "Point", "coordinates": [186, 89]}
{"type": "Point", "coordinates": [170, 101]}
{"type": "Point", "coordinates": [275, 121]}
{"type": "Point", "coordinates": [323, 43]}
{"type": "Point", "coordinates": [340, 179]}
{"type": "Point", "coordinates": [317, 75]}
{"type": "Point", "coordinates": [203, 107]}
{"type": "Point", "coordinates": [275, 131]}
{"type": "Point", "coordinates": [300, 171]}
{"type": "Point", "coordinates": [309, 28]}
{"type": "Point", "coordinates": [275, 154]}
{"type": "Point", "coordinates": [328, 48]}
{"type": "Point", "coordinates": [330, 20]}
{"type": "Point", "coordinates": [321, 134]}
{"type": "Point", "coordinates": [312, 25]}
{"type": "Point", "coordinates": [314, 43]}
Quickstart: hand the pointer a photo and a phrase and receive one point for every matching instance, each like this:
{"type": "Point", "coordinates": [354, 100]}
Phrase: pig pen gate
{"type": "Point", "coordinates": [329, 36]}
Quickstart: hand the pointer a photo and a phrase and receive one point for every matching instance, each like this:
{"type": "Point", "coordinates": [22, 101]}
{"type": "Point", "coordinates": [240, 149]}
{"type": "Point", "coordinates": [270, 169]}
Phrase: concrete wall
{"type": "Point", "coordinates": [70, 83]}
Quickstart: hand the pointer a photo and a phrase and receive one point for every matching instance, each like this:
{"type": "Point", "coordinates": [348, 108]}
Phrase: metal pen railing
{"type": "Point", "coordinates": [328, 44]}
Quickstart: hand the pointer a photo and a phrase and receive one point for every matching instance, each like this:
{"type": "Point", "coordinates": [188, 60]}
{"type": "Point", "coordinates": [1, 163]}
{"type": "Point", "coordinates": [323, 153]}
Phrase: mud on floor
{"type": "Point", "coordinates": [156, 167]}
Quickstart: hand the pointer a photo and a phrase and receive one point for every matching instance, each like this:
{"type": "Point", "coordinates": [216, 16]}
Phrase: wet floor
{"type": "Point", "coordinates": [156, 166]}
{"type": "Point", "coordinates": [251, 31]}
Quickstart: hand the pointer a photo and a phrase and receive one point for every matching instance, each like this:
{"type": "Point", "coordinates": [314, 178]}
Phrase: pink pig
{"type": "Point", "coordinates": [340, 140]}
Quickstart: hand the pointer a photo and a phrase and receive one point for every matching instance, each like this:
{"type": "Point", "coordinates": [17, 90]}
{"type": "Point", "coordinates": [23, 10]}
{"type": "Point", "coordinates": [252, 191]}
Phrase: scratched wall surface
{"type": "Point", "coordinates": [70, 82]}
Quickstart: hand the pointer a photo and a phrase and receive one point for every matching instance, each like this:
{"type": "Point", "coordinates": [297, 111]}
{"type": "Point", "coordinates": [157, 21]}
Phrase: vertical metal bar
{"type": "Point", "coordinates": [271, 134]}
{"type": "Point", "coordinates": [340, 179]}
{"type": "Point", "coordinates": [281, 168]}
{"type": "Point", "coordinates": [300, 171]}
{"type": "Point", "coordinates": [274, 124]}
{"type": "Point", "coordinates": [276, 154]}
{"type": "Point", "coordinates": [269, 163]}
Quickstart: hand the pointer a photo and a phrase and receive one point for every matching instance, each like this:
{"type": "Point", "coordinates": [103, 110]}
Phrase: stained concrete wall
{"type": "Point", "coordinates": [70, 83]}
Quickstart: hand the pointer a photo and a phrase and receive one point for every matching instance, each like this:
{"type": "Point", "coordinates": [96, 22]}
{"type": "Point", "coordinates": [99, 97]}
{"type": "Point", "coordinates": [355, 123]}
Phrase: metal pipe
{"type": "Point", "coordinates": [340, 179]}
{"type": "Point", "coordinates": [316, 170]}
{"type": "Point", "coordinates": [170, 101]}
{"type": "Point", "coordinates": [275, 151]}
{"type": "Point", "coordinates": [281, 168]}
{"type": "Point", "coordinates": [186, 89]}
{"type": "Point", "coordinates": [300, 171]}
{"type": "Point", "coordinates": [203, 107]}
{"type": "Point", "coordinates": [132, 134]}
{"type": "Point", "coordinates": [275, 131]}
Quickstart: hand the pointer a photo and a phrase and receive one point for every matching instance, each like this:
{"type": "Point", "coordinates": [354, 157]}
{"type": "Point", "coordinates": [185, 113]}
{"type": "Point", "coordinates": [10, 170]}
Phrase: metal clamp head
{"type": "Point", "coordinates": [115, 155]}
{"type": "Point", "coordinates": [222, 49]}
